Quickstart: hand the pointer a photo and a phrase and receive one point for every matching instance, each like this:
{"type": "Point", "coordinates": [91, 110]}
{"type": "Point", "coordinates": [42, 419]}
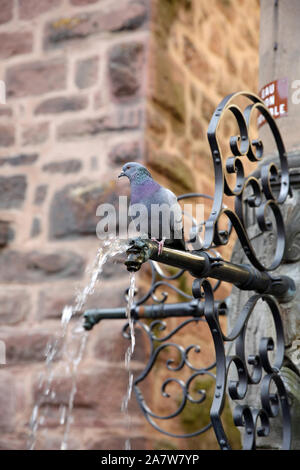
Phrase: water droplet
{"type": "Point", "coordinates": [66, 314]}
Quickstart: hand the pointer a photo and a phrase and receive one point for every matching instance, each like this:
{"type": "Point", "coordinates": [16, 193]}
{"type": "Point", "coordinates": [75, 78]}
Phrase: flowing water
{"type": "Point", "coordinates": [69, 346]}
{"type": "Point", "coordinates": [128, 354]}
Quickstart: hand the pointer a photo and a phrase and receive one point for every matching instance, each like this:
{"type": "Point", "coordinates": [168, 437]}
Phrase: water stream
{"type": "Point", "coordinates": [128, 355]}
{"type": "Point", "coordinates": [69, 345]}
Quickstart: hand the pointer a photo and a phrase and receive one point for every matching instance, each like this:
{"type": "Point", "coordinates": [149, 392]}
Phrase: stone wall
{"type": "Point", "coordinates": [75, 82]}
{"type": "Point", "coordinates": [201, 51]}
{"type": "Point", "coordinates": [92, 84]}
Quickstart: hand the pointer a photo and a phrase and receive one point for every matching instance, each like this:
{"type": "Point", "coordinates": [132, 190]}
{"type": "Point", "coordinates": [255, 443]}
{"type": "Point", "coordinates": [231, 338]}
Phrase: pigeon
{"type": "Point", "coordinates": [165, 230]}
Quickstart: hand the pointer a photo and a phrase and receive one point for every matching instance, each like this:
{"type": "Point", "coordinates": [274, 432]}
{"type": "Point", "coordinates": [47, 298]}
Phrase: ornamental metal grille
{"type": "Point", "coordinates": [235, 369]}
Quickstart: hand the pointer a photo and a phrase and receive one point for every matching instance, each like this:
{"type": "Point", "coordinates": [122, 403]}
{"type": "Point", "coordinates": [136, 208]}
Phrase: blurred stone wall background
{"type": "Point", "coordinates": [90, 85]}
{"type": "Point", "coordinates": [199, 52]}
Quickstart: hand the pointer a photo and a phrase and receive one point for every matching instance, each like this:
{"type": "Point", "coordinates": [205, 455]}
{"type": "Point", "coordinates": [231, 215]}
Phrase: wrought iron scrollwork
{"type": "Point", "coordinates": [183, 360]}
{"type": "Point", "coordinates": [235, 371]}
{"type": "Point", "coordinates": [251, 369]}
{"type": "Point", "coordinates": [262, 196]}
{"type": "Point", "coordinates": [256, 421]}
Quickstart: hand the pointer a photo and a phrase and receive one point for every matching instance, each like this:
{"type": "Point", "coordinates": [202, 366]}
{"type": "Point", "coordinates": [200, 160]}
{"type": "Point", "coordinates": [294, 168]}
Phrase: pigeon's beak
{"type": "Point", "coordinates": [121, 174]}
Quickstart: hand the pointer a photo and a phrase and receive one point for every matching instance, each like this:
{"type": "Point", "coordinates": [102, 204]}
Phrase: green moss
{"type": "Point", "coordinates": [164, 444]}
{"type": "Point", "coordinates": [231, 430]}
{"type": "Point", "coordinates": [196, 416]}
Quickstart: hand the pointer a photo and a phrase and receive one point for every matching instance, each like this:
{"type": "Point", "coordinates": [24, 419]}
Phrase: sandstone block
{"type": "Point", "coordinates": [110, 342]}
{"type": "Point", "coordinates": [129, 15]}
{"type": "Point", "coordinates": [7, 401]}
{"type": "Point", "coordinates": [6, 233]}
{"type": "Point", "coordinates": [36, 78]}
{"type": "Point", "coordinates": [35, 134]}
{"type": "Point", "coordinates": [119, 120]}
{"type": "Point", "coordinates": [73, 208]}
{"type": "Point", "coordinates": [29, 9]}
{"type": "Point", "coordinates": [12, 191]}
{"type": "Point", "coordinates": [125, 65]}
{"type": "Point", "coordinates": [125, 152]}
{"type": "Point", "coordinates": [20, 159]}
{"type": "Point", "coordinates": [95, 389]}
{"type": "Point", "coordinates": [86, 72]}
{"type": "Point", "coordinates": [15, 43]}
{"type": "Point", "coordinates": [7, 135]}
{"type": "Point", "coordinates": [35, 266]}
{"type": "Point", "coordinates": [51, 303]}
{"type": "Point", "coordinates": [65, 166]}
{"type": "Point", "coordinates": [6, 11]}
{"type": "Point", "coordinates": [14, 305]}
{"type": "Point", "coordinates": [62, 104]}
{"type": "Point", "coordinates": [5, 111]}
{"type": "Point", "coordinates": [25, 345]}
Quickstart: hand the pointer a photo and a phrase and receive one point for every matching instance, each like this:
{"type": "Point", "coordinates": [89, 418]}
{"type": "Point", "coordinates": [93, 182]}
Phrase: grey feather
{"type": "Point", "coordinates": [163, 210]}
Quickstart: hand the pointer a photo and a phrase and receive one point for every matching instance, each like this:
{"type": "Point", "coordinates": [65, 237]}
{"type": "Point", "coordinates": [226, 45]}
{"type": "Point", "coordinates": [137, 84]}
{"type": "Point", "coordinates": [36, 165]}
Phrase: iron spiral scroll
{"type": "Point", "coordinates": [160, 340]}
{"type": "Point", "coordinates": [255, 369]}
{"type": "Point", "coordinates": [263, 197]}
{"type": "Point", "coordinates": [255, 421]}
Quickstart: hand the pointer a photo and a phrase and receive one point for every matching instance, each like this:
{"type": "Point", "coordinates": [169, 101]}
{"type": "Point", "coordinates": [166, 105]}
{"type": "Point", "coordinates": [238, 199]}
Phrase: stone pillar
{"type": "Point", "coordinates": [279, 58]}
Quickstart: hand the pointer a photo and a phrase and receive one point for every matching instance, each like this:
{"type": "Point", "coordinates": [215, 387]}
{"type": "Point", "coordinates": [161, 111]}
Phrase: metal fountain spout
{"type": "Point", "coordinates": [139, 252]}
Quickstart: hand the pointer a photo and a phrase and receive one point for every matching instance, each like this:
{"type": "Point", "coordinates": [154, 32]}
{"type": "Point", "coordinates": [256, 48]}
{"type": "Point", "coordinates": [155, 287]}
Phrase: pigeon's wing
{"type": "Point", "coordinates": [176, 238]}
{"type": "Point", "coordinates": [164, 216]}
{"type": "Point", "coordinates": [176, 223]}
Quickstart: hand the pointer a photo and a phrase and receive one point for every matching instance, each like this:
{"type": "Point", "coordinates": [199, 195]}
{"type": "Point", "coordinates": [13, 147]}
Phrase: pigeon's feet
{"type": "Point", "coordinates": [160, 244]}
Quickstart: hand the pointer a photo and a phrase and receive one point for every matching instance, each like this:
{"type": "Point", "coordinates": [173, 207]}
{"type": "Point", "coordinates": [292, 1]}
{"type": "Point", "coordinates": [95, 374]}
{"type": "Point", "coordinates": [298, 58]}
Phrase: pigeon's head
{"type": "Point", "coordinates": [135, 171]}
